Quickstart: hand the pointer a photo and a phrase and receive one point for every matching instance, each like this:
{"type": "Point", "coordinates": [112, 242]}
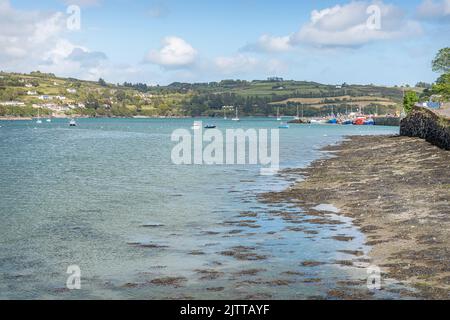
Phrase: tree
{"type": "Point", "coordinates": [423, 85]}
{"type": "Point", "coordinates": [410, 100]}
{"type": "Point", "coordinates": [102, 82]}
{"type": "Point", "coordinates": [442, 86]}
{"type": "Point", "coordinates": [441, 62]}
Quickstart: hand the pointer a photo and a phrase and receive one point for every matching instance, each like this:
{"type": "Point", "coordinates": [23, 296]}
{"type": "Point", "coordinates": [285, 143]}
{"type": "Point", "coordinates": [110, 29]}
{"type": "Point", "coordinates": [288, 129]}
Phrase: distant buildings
{"type": "Point", "coordinates": [47, 97]}
{"type": "Point", "coordinates": [31, 93]}
{"type": "Point", "coordinates": [12, 103]}
{"type": "Point", "coordinates": [44, 97]}
{"type": "Point", "coordinates": [29, 85]}
{"type": "Point", "coordinates": [71, 90]}
{"type": "Point", "coordinates": [429, 105]}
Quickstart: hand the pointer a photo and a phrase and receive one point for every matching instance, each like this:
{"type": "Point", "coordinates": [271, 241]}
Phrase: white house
{"type": "Point", "coordinates": [31, 93]}
{"type": "Point", "coordinates": [12, 103]}
{"type": "Point", "coordinates": [29, 85]}
{"type": "Point", "coordinates": [71, 90]}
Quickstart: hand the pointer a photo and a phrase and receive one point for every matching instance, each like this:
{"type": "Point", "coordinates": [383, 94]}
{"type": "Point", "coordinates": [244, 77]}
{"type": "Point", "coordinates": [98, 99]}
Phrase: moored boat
{"type": "Point", "coordinates": [369, 122]}
{"type": "Point", "coordinates": [359, 121]}
{"type": "Point", "coordinates": [197, 125]}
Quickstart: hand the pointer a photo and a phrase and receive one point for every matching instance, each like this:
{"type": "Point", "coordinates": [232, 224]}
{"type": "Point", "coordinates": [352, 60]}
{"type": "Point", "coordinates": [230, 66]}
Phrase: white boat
{"type": "Point", "coordinates": [197, 125]}
{"type": "Point", "coordinates": [49, 120]}
{"type": "Point", "coordinates": [72, 123]}
{"type": "Point", "coordinates": [297, 117]}
{"type": "Point", "coordinates": [39, 121]}
{"type": "Point", "coordinates": [321, 121]}
{"type": "Point", "coordinates": [236, 118]}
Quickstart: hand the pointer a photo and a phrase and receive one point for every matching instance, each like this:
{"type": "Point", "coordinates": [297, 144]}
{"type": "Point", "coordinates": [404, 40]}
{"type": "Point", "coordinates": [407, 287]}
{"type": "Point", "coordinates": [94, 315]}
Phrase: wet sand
{"type": "Point", "coordinates": [397, 190]}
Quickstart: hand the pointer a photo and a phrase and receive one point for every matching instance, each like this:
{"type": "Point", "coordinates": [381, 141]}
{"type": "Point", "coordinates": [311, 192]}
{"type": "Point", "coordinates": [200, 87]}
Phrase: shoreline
{"type": "Point", "coordinates": [397, 191]}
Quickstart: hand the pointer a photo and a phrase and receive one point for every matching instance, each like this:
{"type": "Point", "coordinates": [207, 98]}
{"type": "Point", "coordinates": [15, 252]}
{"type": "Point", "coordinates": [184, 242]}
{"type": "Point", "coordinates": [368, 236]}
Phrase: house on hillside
{"type": "Point", "coordinates": [44, 97]}
{"type": "Point", "coordinates": [71, 90]}
{"type": "Point", "coordinates": [12, 104]}
{"type": "Point", "coordinates": [29, 85]}
{"type": "Point", "coordinates": [31, 93]}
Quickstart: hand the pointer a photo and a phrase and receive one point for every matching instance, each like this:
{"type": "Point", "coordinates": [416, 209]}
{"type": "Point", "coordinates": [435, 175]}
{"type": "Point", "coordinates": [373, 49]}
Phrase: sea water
{"type": "Point", "coordinates": [106, 197]}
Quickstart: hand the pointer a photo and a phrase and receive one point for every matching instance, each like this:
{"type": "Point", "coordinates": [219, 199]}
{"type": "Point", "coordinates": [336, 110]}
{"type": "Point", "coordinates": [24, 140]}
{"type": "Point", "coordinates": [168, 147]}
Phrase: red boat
{"type": "Point", "coordinates": [359, 121]}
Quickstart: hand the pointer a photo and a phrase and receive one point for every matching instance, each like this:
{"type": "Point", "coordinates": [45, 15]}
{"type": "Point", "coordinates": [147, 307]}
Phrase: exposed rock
{"type": "Point", "coordinates": [426, 124]}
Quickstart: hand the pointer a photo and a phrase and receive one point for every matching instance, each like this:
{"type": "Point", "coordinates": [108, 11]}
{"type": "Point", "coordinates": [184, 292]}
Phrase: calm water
{"type": "Point", "coordinates": [106, 197]}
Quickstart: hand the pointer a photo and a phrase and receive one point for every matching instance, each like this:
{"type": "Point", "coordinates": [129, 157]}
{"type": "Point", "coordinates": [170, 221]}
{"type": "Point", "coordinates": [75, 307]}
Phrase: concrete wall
{"type": "Point", "coordinates": [387, 121]}
{"type": "Point", "coordinates": [428, 125]}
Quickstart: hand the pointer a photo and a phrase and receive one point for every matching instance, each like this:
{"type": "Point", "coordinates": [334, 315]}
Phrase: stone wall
{"type": "Point", "coordinates": [387, 121]}
{"type": "Point", "coordinates": [426, 124]}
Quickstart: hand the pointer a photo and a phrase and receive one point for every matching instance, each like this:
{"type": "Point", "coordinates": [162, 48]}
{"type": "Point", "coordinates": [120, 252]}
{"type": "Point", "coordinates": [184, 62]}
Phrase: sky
{"type": "Point", "coordinates": [389, 42]}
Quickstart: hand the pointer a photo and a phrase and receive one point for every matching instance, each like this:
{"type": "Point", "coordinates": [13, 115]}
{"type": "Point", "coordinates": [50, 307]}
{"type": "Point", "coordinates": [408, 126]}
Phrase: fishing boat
{"type": "Point", "coordinates": [236, 118]}
{"type": "Point", "coordinates": [359, 121]}
{"type": "Point", "coordinates": [210, 126]}
{"type": "Point", "coordinates": [283, 125]}
{"type": "Point", "coordinates": [347, 122]}
{"type": "Point", "coordinates": [72, 123]}
{"type": "Point", "coordinates": [332, 121]}
{"type": "Point", "coordinates": [369, 122]}
{"type": "Point", "coordinates": [321, 121]}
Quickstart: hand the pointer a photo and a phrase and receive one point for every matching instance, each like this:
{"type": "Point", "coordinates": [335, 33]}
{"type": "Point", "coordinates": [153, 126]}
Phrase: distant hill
{"type": "Point", "coordinates": [24, 94]}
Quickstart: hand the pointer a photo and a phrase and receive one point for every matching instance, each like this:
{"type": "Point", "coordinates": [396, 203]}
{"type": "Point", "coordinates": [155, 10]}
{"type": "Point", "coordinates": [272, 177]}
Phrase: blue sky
{"type": "Point", "coordinates": [195, 41]}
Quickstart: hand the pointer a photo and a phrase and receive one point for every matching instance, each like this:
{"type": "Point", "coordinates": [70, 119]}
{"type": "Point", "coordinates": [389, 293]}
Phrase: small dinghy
{"type": "Point", "coordinates": [210, 126]}
{"type": "Point", "coordinates": [72, 123]}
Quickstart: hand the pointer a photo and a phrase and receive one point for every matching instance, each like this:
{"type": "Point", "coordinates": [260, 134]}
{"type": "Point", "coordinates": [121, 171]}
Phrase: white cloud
{"type": "Point", "coordinates": [430, 9]}
{"type": "Point", "coordinates": [239, 62]}
{"type": "Point", "coordinates": [82, 3]}
{"type": "Point", "coordinates": [33, 40]}
{"type": "Point", "coordinates": [347, 25]}
{"type": "Point", "coordinates": [242, 63]}
{"type": "Point", "coordinates": [174, 53]}
{"type": "Point", "coordinates": [269, 43]}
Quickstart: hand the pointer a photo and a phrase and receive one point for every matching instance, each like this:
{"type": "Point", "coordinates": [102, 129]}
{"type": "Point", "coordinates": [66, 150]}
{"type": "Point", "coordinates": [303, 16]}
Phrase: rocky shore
{"type": "Point", "coordinates": [431, 125]}
{"type": "Point", "coordinates": [397, 190]}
